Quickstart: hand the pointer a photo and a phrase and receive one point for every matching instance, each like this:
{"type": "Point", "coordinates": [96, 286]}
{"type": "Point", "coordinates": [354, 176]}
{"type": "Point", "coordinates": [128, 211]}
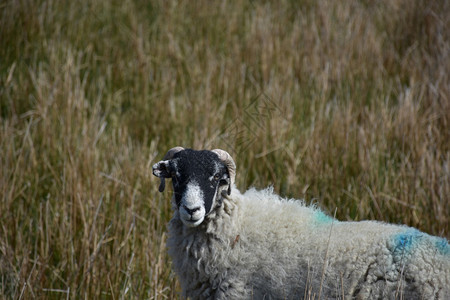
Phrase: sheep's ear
{"type": "Point", "coordinates": [228, 192]}
{"type": "Point", "coordinates": [228, 161]}
{"type": "Point", "coordinates": [226, 182]}
{"type": "Point", "coordinates": [160, 170]}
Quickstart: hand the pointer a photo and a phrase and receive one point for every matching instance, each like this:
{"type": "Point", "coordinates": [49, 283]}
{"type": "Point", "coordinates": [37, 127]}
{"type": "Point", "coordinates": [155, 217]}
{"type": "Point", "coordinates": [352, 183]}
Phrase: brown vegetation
{"type": "Point", "coordinates": [345, 104]}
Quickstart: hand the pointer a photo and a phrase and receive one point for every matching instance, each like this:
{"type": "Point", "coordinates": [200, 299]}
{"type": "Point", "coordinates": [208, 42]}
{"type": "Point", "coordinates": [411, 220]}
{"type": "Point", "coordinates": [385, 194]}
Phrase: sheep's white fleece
{"type": "Point", "coordinates": [259, 246]}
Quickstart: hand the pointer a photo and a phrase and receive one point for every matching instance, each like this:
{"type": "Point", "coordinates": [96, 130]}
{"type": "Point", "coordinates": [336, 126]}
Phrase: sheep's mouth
{"type": "Point", "coordinates": [192, 222]}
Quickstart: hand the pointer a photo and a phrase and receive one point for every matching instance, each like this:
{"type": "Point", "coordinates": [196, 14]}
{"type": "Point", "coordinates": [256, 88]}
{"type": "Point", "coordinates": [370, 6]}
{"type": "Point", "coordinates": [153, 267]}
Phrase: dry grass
{"type": "Point", "coordinates": [343, 103]}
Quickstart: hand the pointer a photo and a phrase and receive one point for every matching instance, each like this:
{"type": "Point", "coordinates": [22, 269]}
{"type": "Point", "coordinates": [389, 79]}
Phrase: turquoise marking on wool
{"type": "Point", "coordinates": [443, 246]}
{"type": "Point", "coordinates": [321, 217]}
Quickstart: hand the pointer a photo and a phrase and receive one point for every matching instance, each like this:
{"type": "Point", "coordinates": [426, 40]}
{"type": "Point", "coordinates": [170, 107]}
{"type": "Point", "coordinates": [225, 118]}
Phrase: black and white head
{"type": "Point", "coordinates": [198, 178]}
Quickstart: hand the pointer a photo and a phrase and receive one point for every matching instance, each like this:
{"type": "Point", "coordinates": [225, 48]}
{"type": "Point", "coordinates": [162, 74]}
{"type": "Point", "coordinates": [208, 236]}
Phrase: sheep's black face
{"type": "Point", "coordinates": [198, 179]}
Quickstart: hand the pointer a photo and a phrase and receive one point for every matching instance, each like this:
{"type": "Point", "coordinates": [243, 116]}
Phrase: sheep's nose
{"type": "Point", "coordinates": [191, 211]}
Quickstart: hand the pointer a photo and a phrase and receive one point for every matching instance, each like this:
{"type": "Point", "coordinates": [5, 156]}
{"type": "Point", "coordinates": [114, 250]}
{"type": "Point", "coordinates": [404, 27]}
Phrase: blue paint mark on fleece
{"type": "Point", "coordinates": [443, 246]}
{"type": "Point", "coordinates": [405, 241]}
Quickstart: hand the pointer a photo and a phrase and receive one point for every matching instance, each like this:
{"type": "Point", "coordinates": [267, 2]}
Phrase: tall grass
{"type": "Point", "coordinates": [345, 104]}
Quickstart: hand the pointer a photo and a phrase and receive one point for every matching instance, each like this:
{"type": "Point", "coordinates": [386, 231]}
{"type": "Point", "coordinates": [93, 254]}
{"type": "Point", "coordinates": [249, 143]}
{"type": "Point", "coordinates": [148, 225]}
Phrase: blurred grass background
{"type": "Point", "coordinates": [342, 103]}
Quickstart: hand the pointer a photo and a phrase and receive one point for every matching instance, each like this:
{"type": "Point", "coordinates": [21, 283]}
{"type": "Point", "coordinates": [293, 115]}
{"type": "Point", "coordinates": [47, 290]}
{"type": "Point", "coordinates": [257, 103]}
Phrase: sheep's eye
{"type": "Point", "coordinates": [216, 176]}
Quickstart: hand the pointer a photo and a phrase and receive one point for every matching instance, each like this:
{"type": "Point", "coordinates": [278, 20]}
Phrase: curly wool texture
{"type": "Point", "coordinates": [259, 246]}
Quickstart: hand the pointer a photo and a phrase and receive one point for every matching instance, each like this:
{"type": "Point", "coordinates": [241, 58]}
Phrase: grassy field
{"type": "Point", "coordinates": [343, 103]}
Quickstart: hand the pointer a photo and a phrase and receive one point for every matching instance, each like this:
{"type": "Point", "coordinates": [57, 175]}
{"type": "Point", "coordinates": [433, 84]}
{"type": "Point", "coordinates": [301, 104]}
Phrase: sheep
{"type": "Point", "coordinates": [257, 245]}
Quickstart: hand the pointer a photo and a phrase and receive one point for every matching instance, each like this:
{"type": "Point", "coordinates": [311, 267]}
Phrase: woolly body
{"type": "Point", "coordinates": [259, 246]}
